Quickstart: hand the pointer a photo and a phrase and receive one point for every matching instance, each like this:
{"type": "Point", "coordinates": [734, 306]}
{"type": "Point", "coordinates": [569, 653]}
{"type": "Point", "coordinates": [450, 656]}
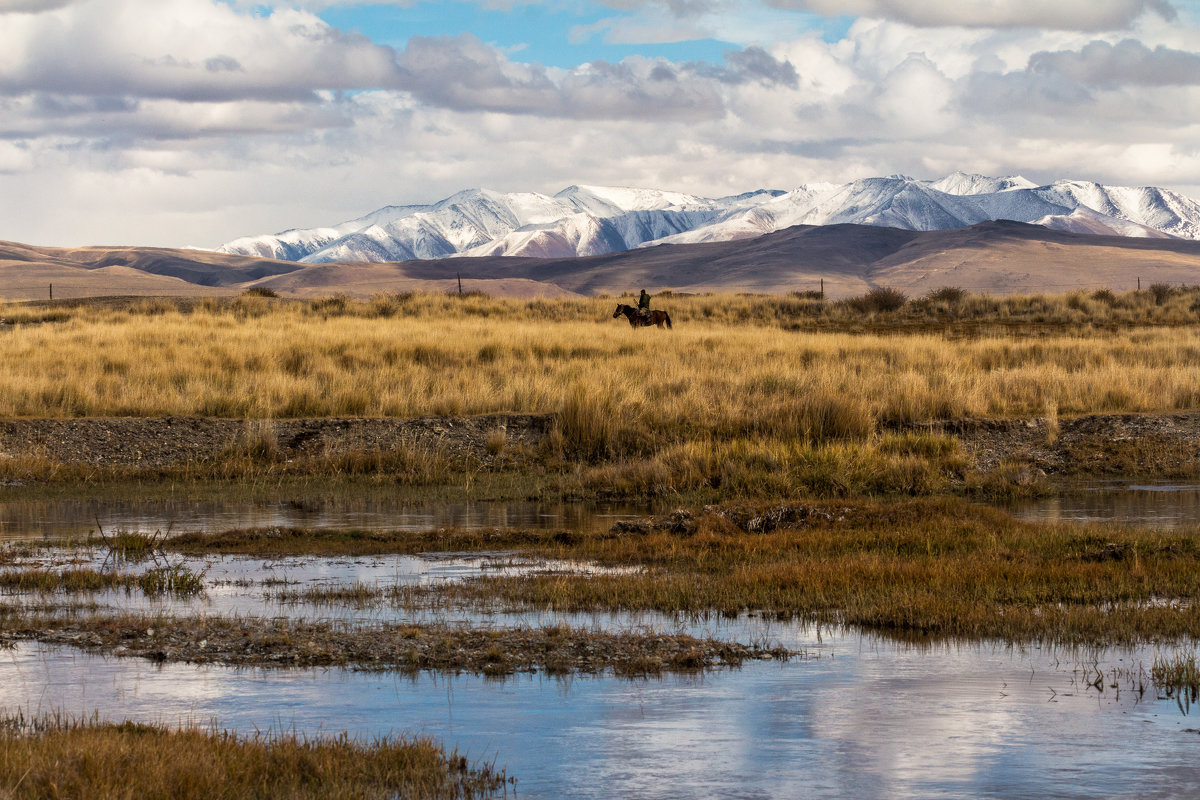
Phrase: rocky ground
{"type": "Point", "coordinates": [1166, 445]}
{"type": "Point", "coordinates": [160, 442]}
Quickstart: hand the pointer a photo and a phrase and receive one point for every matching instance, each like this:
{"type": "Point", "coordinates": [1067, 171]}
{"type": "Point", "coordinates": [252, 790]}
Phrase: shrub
{"type": "Point", "coordinates": [1160, 292]}
{"type": "Point", "coordinates": [947, 294]}
{"type": "Point", "coordinates": [260, 291]}
{"type": "Point", "coordinates": [881, 298]}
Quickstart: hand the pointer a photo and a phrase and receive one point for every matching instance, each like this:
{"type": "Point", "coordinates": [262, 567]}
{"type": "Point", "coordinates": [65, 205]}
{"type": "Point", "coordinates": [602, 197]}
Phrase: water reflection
{"type": "Point", "coordinates": [72, 517]}
{"type": "Point", "coordinates": [868, 718]}
{"type": "Point", "coordinates": [1154, 505]}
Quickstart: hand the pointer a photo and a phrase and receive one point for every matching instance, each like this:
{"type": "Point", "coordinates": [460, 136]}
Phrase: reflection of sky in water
{"type": "Point", "coordinates": [862, 716]}
{"type": "Point", "coordinates": [867, 718]}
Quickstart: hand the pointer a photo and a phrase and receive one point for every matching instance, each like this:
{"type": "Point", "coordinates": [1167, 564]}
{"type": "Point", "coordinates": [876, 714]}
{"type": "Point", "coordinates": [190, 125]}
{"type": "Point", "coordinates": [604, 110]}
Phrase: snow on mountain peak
{"type": "Point", "coordinates": [592, 220]}
{"type": "Point", "coordinates": [963, 183]}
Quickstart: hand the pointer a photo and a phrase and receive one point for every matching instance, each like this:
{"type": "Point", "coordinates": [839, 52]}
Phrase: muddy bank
{"type": "Point", "coordinates": [245, 642]}
{"type": "Point", "coordinates": [1166, 445]}
{"type": "Point", "coordinates": [161, 442]}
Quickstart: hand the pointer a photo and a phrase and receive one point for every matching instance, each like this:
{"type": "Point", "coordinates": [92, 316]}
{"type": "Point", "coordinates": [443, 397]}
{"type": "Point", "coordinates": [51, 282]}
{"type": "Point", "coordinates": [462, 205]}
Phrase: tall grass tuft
{"type": "Point", "coordinates": [61, 757]}
{"type": "Point", "coordinates": [589, 423]}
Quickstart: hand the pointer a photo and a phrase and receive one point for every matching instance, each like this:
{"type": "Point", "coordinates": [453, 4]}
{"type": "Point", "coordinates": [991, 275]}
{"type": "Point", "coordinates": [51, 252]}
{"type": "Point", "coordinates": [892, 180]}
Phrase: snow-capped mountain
{"type": "Point", "coordinates": [593, 220]}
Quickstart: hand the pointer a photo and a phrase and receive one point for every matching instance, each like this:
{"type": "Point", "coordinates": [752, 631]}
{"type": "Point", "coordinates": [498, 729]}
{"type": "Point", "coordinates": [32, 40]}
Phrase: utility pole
{"type": "Point", "coordinates": [52, 291]}
{"type": "Point", "coordinates": [822, 288]}
{"type": "Point", "coordinates": [459, 275]}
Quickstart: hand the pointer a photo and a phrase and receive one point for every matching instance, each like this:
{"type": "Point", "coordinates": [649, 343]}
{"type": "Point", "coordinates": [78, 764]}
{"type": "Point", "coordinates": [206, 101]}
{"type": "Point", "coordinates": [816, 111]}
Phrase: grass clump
{"type": "Point", "coordinates": [60, 757]}
{"type": "Point", "coordinates": [1178, 676]}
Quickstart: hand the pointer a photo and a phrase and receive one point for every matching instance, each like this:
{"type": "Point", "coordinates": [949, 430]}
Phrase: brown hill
{"type": "Point", "coordinates": [998, 257]}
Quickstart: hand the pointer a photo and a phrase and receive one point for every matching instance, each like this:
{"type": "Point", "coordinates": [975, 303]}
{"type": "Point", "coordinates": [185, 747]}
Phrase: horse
{"type": "Point", "coordinates": [636, 320]}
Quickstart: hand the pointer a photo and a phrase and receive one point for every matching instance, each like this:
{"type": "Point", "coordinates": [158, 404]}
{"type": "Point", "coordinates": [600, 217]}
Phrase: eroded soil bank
{"type": "Point", "coordinates": [1094, 445]}
{"type": "Point", "coordinates": [162, 442]}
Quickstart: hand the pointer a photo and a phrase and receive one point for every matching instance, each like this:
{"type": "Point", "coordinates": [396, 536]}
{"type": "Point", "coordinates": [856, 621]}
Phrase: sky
{"type": "Point", "coordinates": [192, 122]}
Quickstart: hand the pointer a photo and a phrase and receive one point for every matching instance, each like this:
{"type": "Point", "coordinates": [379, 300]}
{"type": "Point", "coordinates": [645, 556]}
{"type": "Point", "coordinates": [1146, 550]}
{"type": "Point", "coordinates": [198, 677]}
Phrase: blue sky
{"type": "Point", "coordinates": [558, 35]}
{"type": "Point", "coordinates": [193, 122]}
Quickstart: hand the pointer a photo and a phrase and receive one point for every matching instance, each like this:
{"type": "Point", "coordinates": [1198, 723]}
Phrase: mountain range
{"type": "Point", "coordinates": [999, 257]}
{"type": "Point", "coordinates": [593, 220]}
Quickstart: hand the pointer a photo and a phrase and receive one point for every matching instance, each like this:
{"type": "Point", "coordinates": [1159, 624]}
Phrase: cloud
{"type": "Point", "coordinates": [194, 121]}
{"type": "Point", "coordinates": [464, 74]}
{"type": "Point", "coordinates": [188, 50]}
{"type": "Point", "coordinates": [1127, 63]}
{"type": "Point", "coordinates": [32, 6]}
{"type": "Point", "coordinates": [1082, 15]}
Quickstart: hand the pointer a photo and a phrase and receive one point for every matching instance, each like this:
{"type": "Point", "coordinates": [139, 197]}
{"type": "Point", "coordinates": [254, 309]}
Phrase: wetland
{"type": "Point", "coordinates": [946, 550]}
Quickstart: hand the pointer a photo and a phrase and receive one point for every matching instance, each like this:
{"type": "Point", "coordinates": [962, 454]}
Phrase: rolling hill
{"type": "Point", "coordinates": [999, 257]}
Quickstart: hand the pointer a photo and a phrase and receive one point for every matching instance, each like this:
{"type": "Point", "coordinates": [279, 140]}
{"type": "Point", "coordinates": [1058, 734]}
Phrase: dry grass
{"type": "Point", "coordinates": [731, 367]}
{"type": "Point", "coordinates": [918, 568]}
{"type": "Point", "coordinates": [58, 757]}
{"type": "Point", "coordinates": [915, 568]}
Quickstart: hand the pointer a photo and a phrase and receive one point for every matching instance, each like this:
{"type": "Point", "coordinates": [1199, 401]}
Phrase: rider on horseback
{"type": "Point", "coordinates": [644, 306]}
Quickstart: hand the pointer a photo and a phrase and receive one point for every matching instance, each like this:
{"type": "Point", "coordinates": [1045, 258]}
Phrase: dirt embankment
{"type": "Point", "coordinates": [1166, 445]}
{"type": "Point", "coordinates": [155, 443]}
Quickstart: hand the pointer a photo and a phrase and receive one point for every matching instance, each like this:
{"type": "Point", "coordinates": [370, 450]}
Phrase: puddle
{"type": "Point", "coordinates": [1154, 505]}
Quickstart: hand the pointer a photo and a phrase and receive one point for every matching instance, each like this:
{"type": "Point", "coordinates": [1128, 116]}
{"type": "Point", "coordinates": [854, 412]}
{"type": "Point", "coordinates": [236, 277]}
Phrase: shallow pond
{"type": "Point", "coordinates": [856, 716]}
{"type": "Point", "coordinates": [860, 717]}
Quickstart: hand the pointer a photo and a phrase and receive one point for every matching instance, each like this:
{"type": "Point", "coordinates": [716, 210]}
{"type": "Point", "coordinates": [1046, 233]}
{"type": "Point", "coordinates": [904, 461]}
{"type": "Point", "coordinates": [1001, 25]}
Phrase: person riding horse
{"type": "Point", "coordinates": [644, 306]}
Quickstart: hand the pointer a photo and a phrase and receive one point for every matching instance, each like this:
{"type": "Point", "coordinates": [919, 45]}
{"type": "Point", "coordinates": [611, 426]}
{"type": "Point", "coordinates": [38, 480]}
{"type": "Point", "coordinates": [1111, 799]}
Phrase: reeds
{"type": "Point", "coordinates": [61, 757]}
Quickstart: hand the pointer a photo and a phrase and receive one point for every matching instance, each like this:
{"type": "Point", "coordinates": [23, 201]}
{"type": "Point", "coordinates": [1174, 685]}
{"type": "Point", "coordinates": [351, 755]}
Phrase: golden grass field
{"type": "Point", "coordinates": [732, 366]}
{"type": "Point", "coordinates": [760, 395]}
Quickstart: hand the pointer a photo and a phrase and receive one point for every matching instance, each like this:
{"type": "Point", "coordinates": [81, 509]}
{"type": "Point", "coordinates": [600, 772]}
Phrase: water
{"type": "Point", "coordinates": [1156, 505]}
{"type": "Point", "coordinates": [25, 519]}
{"type": "Point", "coordinates": [856, 715]}
{"type": "Point", "coordinates": [860, 717]}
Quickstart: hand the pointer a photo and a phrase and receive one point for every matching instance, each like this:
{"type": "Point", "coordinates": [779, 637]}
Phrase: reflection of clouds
{"type": "Point", "coordinates": [875, 719]}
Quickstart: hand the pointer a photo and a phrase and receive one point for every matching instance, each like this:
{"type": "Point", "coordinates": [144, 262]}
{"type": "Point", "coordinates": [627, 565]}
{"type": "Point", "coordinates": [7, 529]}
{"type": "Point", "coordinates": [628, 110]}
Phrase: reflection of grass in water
{"type": "Point", "coordinates": [60, 757]}
{"type": "Point", "coordinates": [1178, 676]}
{"type": "Point", "coordinates": [174, 579]}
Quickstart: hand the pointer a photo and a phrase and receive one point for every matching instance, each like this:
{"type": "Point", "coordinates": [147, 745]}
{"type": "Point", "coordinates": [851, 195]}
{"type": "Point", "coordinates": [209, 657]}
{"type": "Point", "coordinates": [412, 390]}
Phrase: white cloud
{"type": "Point", "coordinates": [192, 50]}
{"type": "Point", "coordinates": [1084, 15]}
{"type": "Point", "coordinates": [193, 121]}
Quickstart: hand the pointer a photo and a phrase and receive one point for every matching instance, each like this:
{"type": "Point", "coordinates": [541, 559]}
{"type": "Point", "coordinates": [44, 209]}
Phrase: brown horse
{"type": "Point", "coordinates": [636, 320]}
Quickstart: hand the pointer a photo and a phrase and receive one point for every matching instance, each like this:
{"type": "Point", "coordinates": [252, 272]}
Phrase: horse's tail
{"type": "Point", "coordinates": [668, 316]}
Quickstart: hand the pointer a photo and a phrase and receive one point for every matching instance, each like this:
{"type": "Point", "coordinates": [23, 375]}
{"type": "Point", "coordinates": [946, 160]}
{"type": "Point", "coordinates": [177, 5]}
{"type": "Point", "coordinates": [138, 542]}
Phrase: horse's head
{"type": "Point", "coordinates": [617, 313]}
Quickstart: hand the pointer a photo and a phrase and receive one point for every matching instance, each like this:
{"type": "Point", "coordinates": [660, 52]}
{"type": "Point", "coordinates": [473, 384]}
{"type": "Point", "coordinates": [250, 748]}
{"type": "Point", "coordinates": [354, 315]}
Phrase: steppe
{"type": "Point", "coordinates": [834, 461]}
